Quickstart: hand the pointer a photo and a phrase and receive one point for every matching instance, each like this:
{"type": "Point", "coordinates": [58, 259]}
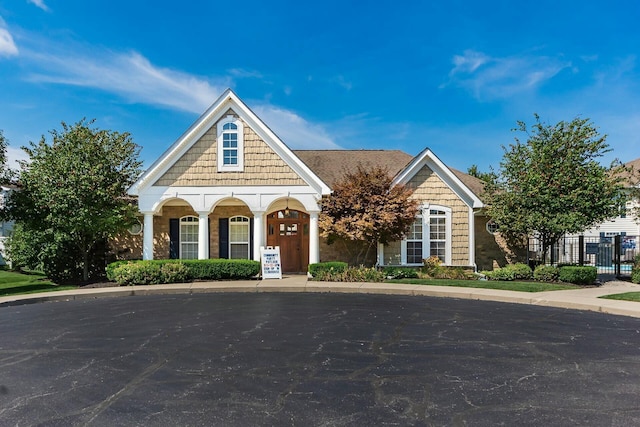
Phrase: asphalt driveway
{"type": "Point", "coordinates": [242, 359]}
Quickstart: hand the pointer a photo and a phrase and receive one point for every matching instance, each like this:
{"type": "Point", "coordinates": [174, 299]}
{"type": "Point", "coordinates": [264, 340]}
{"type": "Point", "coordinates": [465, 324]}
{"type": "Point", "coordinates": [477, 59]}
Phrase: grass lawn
{"type": "Point", "coordinates": [12, 283]}
{"type": "Point", "coordinates": [627, 296]}
{"type": "Point", "coordinates": [490, 284]}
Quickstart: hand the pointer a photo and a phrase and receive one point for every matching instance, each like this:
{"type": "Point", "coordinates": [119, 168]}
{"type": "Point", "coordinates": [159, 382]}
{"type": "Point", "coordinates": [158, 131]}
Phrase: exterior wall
{"type": "Point", "coordinates": [492, 250]}
{"type": "Point", "coordinates": [198, 166]}
{"type": "Point", "coordinates": [342, 250]}
{"type": "Point", "coordinates": [629, 225]}
{"type": "Point", "coordinates": [126, 246]}
{"type": "Point", "coordinates": [428, 187]}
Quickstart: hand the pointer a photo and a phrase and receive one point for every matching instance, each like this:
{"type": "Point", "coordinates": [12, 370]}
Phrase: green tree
{"type": "Point", "coordinates": [365, 208]}
{"type": "Point", "coordinates": [553, 183]}
{"type": "Point", "coordinates": [484, 176]}
{"type": "Point", "coordinates": [72, 195]}
{"type": "Point", "coordinates": [6, 174]}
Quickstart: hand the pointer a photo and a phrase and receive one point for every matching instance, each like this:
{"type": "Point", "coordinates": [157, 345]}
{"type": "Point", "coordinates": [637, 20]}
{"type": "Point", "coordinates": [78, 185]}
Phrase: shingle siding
{"type": "Point", "coordinates": [198, 166]}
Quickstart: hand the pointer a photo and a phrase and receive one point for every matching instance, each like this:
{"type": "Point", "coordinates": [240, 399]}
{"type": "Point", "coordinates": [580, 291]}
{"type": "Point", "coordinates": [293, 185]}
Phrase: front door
{"type": "Point", "coordinates": [289, 229]}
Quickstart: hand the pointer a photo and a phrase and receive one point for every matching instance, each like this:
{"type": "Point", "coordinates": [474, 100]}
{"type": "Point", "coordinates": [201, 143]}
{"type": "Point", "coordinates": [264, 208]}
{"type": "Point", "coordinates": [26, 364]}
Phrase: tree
{"type": "Point", "coordinates": [553, 183]}
{"type": "Point", "coordinates": [72, 195]}
{"type": "Point", "coordinates": [6, 174]}
{"type": "Point", "coordinates": [365, 207]}
{"type": "Point", "coordinates": [483, 176]}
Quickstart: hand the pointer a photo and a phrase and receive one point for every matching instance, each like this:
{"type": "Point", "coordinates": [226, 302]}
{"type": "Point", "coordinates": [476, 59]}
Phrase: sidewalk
{"type": "Point", "coordinates": [580, 299]}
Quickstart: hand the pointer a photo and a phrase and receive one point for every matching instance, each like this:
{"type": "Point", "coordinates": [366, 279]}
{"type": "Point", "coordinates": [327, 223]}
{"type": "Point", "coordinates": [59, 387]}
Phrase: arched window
{"type": "Point", "coordinates": [230, 144]}
{"type": "Point", "coordinates": [189, 237]}
{"type": "Point", "coordinates": [239, 237]}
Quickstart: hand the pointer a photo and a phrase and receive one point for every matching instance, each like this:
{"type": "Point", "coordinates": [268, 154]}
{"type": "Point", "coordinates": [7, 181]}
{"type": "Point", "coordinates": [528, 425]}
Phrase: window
{"type": "Point", "coordinates": [492, 227]}
{"type": "Point", "coordinates": [239, 237]}
{"type": "Point", "coordinates": [230, 144]}
{"type": "Point", "coordinates": [438, 234]}
{"type": "Point", "coordinates": [430, 235]}
{"type": "Point", "coordinates": [189, 237]}
{"type": "Point", "coordinates": [414, 242]}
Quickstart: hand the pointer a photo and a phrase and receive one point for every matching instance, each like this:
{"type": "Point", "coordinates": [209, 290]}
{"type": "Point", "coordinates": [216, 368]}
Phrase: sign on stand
{"type": "Point", "coordinates": [270, 260]}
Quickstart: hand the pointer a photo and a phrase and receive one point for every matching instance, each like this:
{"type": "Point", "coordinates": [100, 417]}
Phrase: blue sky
{"type": "Point", "coordinates": [453, 76]}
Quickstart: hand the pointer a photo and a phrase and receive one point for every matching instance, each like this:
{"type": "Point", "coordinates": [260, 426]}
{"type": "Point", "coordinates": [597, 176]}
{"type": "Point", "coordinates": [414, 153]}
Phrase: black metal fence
{"type": "Point", "coordinates": [610, 254]}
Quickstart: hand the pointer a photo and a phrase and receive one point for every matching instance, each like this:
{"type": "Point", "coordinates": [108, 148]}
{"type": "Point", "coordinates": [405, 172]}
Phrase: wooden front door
{"type": "Point", "coordinates": [289, 229]}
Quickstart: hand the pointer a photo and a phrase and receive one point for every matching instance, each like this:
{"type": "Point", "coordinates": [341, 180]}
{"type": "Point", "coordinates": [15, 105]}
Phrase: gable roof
{"type": "Point", "coordinates": [331, 165]}
{"type": "Point", "coordinates": [631, 179]}
{"type": "Point", "coordinates": [426, 157]}
{"type": "Point", "coordinates": [227, 100]}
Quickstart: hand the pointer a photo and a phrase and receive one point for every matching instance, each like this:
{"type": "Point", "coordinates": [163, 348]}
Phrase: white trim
{"type": "Point", "coordinates": [239, 132]}
{"type": "Point", "coordinates": [147, 236]}
{"type": "Point", "coordinates": [472, 238]}
{"type": "Point", "coordinates": [214, 113]}
{"type": "Point", "coordinates": [203, 235]}
{"type": "Point", "coordinates": [426, 157]}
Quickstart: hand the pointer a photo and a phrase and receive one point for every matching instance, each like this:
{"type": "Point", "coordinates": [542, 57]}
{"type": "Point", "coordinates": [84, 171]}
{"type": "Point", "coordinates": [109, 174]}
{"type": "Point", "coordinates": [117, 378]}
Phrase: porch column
{"type": "Point", "coordinates": [314, 238]}
{"type": "Point", "coordinates": [258, 233]}
{"type": "Point", "coordinates": [147, 236]}
{"type": "Point", "coordinates": [203, 235]}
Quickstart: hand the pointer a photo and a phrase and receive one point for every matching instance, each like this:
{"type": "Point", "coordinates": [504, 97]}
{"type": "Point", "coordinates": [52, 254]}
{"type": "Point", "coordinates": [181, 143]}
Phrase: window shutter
{"type": "Point", "coordinates": [251, 238]}
{"type": "Point", "coordinates": [223, 231]}
{"type": "Point", "coordinates": [174, 238]}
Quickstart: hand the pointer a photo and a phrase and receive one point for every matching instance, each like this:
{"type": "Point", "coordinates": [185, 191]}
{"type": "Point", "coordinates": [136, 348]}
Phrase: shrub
{"type": "Point", "coordinates": [362, 274]}
{"type": "Point", "coordinates": [138, 273]}
{"type": "Point", "coordinates": [578, 275]}
{"type": "Point", "coordinates": [343, 273]}
{"type": "Point", "coordinates": [222, 269]}
{"type": "Point", "coordinates": [322, 269]}
{"type": "Point", "coordinates": [152, 272]}
{"type": "Point", "coordinates": [635, 270]}
{"type": "Point", "coordinates": [546, 273]}
{"type": "Point", "coordinates": [400, 273]}
{"type": "Point", "coordinates": [510, 272]}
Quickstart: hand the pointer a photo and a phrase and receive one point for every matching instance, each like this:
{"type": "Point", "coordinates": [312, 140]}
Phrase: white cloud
{"type": "Point", "coordinates": [135, 78]}
{"type": "Point", "coordinates": [296, 132]}
{"type": "Point", "coordinates": [13, 155]}
{"type": "Point", "coordinates": [131, 76]}
{"type": "Point", "coordinates": [7, 45]}
{"type": "Point", "coordinates": [40, 4]}
{"type": "Point", "coordinates": [490, 78]}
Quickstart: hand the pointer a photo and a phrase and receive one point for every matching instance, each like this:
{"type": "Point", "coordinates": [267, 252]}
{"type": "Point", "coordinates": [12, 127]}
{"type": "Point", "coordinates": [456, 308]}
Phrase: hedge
{"type": "Point", "coordinates": [579, 275]}
{"type": "Point", "coordinates": [546, 273]}
{"type": "Point", "coordinates": [151, 272]}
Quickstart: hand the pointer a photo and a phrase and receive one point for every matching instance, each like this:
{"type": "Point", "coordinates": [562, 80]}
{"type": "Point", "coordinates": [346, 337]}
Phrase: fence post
{"type": "Point", "coordinates": [582, 250]}
{"type": "Point", "coordinates": [617, 250]}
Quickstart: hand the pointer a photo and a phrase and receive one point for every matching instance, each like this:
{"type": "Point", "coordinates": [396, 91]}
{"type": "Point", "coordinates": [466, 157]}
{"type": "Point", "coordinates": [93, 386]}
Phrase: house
{"type": "Point", "coordinates": [601, 238]}
{"type": "Point", "coordinates": [229, 186]}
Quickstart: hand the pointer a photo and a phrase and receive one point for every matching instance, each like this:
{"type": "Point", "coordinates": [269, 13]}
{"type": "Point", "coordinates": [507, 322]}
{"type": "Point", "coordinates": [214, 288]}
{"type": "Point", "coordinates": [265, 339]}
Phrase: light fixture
{"type": "Point", "coordinates": [286, 209]}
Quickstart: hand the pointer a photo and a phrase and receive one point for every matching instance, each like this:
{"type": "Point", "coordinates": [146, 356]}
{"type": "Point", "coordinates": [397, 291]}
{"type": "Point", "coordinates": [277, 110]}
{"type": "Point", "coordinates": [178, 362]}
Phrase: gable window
{"type": "Point", "coordinates": [230, 144]}
{"type": "Point", "coordinates": [189, 237]}
{"type": "Point", "coordinates": [429, 235]}
{"type": "Point", "coordinates": [239, 237]}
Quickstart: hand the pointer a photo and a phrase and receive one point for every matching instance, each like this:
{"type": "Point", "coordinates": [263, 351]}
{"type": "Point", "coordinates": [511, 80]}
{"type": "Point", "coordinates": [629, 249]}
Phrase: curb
{"type": "Point", "coordinates": [556, 299]}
